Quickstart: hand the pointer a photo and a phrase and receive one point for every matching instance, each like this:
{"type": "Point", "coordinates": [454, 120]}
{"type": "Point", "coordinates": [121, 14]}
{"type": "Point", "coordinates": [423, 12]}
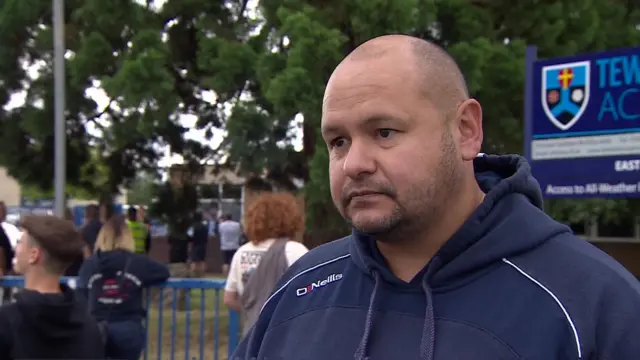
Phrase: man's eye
{"type": "Point", "coordinates": [385, 133]}
{"type": "Point", "coordinates": [338, 142]}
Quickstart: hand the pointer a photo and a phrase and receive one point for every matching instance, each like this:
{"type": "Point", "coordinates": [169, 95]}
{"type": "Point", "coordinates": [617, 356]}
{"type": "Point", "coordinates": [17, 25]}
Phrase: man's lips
{"type": "Point", "coordinates": [363, 194]}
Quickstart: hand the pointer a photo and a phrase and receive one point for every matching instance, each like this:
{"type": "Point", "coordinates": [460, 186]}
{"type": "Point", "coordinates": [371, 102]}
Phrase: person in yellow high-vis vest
{"type": "Point", "coordinates": [138, 229]}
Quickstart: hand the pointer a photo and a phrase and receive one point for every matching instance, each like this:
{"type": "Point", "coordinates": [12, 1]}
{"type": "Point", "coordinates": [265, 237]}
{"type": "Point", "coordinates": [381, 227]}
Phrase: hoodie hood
{"type": "Point", "coordinates": [53, 316]}
{"type": "Point", "coordinates": [487, 236]}
{"type": "Point", "coordinates": [491, 234]}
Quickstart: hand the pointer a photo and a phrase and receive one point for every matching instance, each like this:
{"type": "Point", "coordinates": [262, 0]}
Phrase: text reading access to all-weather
{"type": "Point", "coordinates": [582, 119]}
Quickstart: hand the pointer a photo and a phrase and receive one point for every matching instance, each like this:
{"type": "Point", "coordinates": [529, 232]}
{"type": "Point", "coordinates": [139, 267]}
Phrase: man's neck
{"type": "Point", "coordinates": [43, 283]}
{"type": "Point", "coordinates": [408, 258]}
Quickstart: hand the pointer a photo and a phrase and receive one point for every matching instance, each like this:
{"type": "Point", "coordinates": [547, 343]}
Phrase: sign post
{"type": "Point", "coordinates": [582, 124]}
{"type": "Point", "coordinates": [60, 135]}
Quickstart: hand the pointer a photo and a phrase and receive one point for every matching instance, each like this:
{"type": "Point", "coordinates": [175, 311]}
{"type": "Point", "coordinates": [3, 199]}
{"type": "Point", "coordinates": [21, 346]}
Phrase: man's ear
{"type": "Point", "coordinates": [469, 116]}
{"type": "Point", "coordinates": [35, 255]}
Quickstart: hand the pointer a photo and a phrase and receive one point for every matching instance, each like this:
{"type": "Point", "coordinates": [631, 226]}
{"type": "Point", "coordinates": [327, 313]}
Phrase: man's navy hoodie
{"type": "Point", "coordinates": [100, 282]}
{"type": "Point", "coordinates": [511, 283]}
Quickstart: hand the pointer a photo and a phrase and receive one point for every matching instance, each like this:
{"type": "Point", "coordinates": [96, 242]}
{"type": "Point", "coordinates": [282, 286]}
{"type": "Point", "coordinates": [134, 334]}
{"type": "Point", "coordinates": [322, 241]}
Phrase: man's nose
{"type": "Point", "coordinates": [359, 161]}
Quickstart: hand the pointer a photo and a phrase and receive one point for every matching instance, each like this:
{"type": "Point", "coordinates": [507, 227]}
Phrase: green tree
{"type": "Point", "coordinates": [175, 207]}
{"type": "Point", "coordinates": [142, 190]}
{"type": "Point", "coordinates": [92, 170]}
{"type": "Point", "coordinates": [154, 64]}
{"type": "Point", "coordinates": [176, 200]}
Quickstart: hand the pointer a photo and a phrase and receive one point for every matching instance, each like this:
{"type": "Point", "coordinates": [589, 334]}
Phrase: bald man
{"type": "Point", "coordinates": [451, 256]}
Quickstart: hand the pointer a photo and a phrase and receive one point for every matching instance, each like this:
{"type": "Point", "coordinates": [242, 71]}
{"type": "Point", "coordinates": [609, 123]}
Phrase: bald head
{"type": "Point", "coordinates": [399, 126]}
{"type": "Point", "coordinates": [439, 77]}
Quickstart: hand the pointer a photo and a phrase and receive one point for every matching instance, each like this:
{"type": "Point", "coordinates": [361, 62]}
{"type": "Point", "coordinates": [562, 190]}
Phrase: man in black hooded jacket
{"type": "Point", "coordinates": [47, 321]}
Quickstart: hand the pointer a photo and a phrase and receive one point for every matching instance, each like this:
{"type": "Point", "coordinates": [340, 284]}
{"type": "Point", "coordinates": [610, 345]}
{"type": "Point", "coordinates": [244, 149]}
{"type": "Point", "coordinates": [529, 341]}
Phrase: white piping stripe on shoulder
{"type": "Point", "coordinates": [302, 273]}
{"type": "Point", "coordinates": [566, 313]}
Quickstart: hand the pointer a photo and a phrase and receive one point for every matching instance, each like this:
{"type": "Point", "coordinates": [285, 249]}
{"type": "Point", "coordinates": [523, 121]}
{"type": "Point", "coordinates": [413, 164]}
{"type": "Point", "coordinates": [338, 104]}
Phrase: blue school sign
{"type": "Point", "coordinates": [582, 123]}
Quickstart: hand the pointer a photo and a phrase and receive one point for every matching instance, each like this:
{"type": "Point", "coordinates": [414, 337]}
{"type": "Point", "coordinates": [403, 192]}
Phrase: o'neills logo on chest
{"type": "Point", "coordinates": [318, 284]}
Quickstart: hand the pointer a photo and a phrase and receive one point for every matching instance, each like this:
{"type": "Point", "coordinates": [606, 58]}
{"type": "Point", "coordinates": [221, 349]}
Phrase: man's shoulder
{"type": "Point", "coordinates": [323, 255]}
{"type": "Point", "coordinates": [578, 262]}
{"type": "Point", "coordinates": [581, 251]}
{"type": "Point", "coordinates": [326, 258]}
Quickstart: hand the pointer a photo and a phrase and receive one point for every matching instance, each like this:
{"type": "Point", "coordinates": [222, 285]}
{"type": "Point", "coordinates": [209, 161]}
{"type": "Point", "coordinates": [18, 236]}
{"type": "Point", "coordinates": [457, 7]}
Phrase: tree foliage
{"type": "Point", "coordinates": [176, 200]}
{"type": "Point", "coordinates": [143, 189]}
{"type": "Point", "coordinates": [144, 60]}
{"type": "Point", "coordinates": [175, 206]}
{"type": "Point", "coordinates": [251, 70]}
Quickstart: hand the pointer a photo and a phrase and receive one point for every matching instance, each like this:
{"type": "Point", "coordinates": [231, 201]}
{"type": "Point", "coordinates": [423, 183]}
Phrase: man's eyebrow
{"type": "Point", "coordinates": [370, 121]}
{"type": "Point", "coordinates": [373, 120]}
{"type": "Point", "coordinates": [381, 119]}
{"type": "Point", "coordinates": [329, 129]}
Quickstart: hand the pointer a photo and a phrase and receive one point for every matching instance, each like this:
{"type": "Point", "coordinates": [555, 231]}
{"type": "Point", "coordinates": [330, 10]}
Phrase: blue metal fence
{"type": "Point", "coordinates": [197, 326]}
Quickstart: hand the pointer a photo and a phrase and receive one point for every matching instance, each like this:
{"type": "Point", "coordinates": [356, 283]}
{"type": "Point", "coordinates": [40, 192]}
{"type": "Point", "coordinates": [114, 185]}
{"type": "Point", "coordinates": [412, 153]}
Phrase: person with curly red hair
{"type": "Point", "coordinates": [271, 224]}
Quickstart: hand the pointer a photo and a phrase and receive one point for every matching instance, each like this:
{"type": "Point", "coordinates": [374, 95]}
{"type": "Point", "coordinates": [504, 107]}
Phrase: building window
{"type": "Point", "coordinates": [208, 191]}
{"type": "Point", "coordinates": [230, 191]}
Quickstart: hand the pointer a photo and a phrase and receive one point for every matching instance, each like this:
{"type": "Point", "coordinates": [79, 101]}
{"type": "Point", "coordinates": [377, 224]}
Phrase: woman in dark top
{"type": "Point", "coordinates": [113, 280]}
{"type": "Point", "coordinates": [75, 266]}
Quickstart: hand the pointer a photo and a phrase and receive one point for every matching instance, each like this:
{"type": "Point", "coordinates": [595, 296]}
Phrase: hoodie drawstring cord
{"type": "Point", "coordinates": [428, 340]}
{"type": "Point", "coordinates": [361, 351]}
{"type": "Point", "coordinates": [428, 337]}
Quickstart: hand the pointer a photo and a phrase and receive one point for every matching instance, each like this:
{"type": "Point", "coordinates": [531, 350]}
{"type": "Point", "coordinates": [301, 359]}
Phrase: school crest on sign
{"type": "Point", "coordinates": [565, 92]}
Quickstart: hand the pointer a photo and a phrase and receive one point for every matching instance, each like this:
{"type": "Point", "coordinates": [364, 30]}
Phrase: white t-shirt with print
{"type": "Point", "coordinates": [247, 258]}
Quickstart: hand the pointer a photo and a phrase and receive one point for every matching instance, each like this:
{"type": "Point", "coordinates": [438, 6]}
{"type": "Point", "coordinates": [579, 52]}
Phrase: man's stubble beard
{"type": "Point", "coordinates": [424, 201]}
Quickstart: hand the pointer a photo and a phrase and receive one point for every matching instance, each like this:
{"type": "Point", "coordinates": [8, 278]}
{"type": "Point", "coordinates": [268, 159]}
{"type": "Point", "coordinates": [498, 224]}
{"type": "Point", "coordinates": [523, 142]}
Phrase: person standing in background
{"type": "Point", "coordinates": [74, 268]}
{"type": "Point", "coordinates": [273, 222]}
{"type": "Point", "coordinates": [212, 224]}
{"type": "Point", "coordinates": [179, 256]}
{"type": "Point", "coordinates": [117, 299]}
{"type": "Point", "coordinates": [199, 234]}
{"type": "Point", "coordinates": [91, 227]}
{"type": "Point", "coordinates": [230, 234]}
{"type": "Point", "coordinates": [143, 218]}
{"type": "Point", "coordinates": [6, 252]}
{"type": "Point", "coordinates": [89, 232]}
{"type": "Point", "coordinates": [13, 233]}
{"type": "Point", "coordinates": [138, 229]}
